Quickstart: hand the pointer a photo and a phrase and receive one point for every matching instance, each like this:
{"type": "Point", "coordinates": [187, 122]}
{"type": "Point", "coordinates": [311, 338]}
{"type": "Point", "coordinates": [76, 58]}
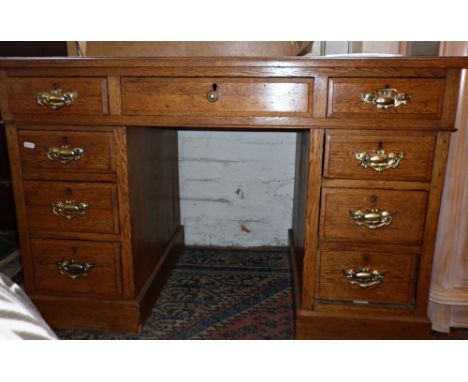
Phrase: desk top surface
{"type": "Point", "coordinates": [306, 62]}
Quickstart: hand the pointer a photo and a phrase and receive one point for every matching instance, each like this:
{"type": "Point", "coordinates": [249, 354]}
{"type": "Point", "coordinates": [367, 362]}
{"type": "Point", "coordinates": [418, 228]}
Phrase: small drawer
{"type": "Point", "coordinates": [72, 207]}
{"type": "Point", "coordinates": [379, 156]}
{"type": "Point", "coordinates": [217, 96]}
{"type": "Point", "coordinates": [373, 216]}
{"type": "Point", "coordinates": [367, 277]}
{"type": "Point", "coordinates": [57, 95]}
{"type": "Point", "coordinates": [67, 267]}
{"type": "Point", "coordinates": [65, 151]}
{"type": "Point", "coordinates": [386, 97]}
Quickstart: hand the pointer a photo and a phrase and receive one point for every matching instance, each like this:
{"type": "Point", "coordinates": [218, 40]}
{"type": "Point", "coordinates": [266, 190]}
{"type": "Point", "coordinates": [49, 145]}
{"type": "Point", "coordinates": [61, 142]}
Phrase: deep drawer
{"type": "Point", "coordinates": [379, 156]}
{"type": "Point", "coordinates": [78, 95]}
{"type": "Point", "coordinates": [67, 151]}
{"type": "Point", "coordinates": [76, 267]}
{"type": "Point", "coordinates": [367, 277]}
{"type": "Point", "coordinates": [345, 97]}
{"type": "Point", "coordinates": [72, 207]}
{"type": "Point", "coordinates": [406, 226]}
{"type": "Point", "coordinates": [230, 97]}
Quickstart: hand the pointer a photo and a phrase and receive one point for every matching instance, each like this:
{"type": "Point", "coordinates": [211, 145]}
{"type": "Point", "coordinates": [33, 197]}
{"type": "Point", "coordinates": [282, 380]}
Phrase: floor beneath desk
{"type": "Point", "coordinates": [219, 294]}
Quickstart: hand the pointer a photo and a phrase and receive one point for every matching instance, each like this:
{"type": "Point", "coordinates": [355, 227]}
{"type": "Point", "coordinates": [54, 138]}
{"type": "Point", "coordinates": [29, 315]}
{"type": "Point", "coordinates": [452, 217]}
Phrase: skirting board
{"type": "Point", "coordinates": [327, 326]}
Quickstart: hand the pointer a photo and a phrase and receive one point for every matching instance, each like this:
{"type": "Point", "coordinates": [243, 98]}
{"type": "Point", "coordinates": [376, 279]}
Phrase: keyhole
{"type": "Point", "coordinates": [215, 86]}
{"type": "Point", "coordinates": [365, 257]}
{"type": "Point", "coordinates": [374, 198]}
{"type": "Point", "coordinates": [380, 145]}
{"type": "Point", "coordinates": [74, 250]}
{"type": "Point", "coordinates": [68, 191]}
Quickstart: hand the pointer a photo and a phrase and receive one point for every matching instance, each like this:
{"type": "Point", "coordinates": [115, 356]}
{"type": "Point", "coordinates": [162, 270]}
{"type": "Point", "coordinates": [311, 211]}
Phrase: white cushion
{"type": "Point", "coordinates": [19, 318]}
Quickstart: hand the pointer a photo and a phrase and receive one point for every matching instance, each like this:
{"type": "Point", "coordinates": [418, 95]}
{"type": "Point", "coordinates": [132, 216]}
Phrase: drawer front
{"type": "Point", "coordinates": [72, 207]}
{"type": "Point", "coordinates": [232, 97]}
{"type": "Point", "coordinates": [380, 156]}
{"type": "Point", "coordinates": [59, 95]}
{"type": "Point", "coordinates": [406, 226]}
{"type": "Point", "coordinates": [67, 151]}
{"type": "Point", "coordinates": [367, 277]}
{"type": "Point", "coordinates": [69, 267]}
{"type": "Point", "coordinates": [426, 97]}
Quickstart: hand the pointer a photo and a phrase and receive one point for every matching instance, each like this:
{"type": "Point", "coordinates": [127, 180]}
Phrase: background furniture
{"type": "Point", "coordinates": [96, 179]}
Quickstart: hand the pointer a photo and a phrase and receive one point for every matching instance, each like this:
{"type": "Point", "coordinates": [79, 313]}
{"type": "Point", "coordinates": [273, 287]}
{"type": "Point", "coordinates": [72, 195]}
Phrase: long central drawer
{"type": "Point", "coordinates": [217, 96]}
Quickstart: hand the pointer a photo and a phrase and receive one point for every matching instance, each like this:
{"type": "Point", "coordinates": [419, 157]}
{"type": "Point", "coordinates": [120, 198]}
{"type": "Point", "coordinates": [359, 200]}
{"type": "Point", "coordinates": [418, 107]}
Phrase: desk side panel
{"type": "Point", "coordinates": [153, 175]}
{"type": "Point", "coordinates": [299, 209]}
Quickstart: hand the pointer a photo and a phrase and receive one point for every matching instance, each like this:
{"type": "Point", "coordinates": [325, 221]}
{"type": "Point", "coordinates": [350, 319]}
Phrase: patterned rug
{"type": "Point", "coordinates": [219, 294]}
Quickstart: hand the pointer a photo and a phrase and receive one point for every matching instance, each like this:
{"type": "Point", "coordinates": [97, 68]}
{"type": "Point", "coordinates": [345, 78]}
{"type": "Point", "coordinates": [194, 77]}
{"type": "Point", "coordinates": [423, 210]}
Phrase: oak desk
{"type": "Point", "coordinates": [93, 150]}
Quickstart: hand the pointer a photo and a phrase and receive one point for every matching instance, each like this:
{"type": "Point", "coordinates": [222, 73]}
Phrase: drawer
{"type": "Point", "coordinates": [367, 277]}
{"type": "Point", "coordinates": [379, 156]}
{"type": "Point", "coordinates": [67, 95]}
{"type": "Point", "coordinates": [72, 207]}
{"type": "Point", "coordinates": [68, 267]}
{"type": "Point", "coordinates": [66, 151]}
{"type": "Point", "coordinates": [231, 96]}
{"type": "Point", "coordinates": [375, 224]}
{"type": "Point", "coordinates": [426, 97]}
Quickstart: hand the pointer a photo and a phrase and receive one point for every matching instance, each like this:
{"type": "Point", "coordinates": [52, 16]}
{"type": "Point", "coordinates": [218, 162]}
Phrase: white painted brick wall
{"type": "Point", "coordinates": [236, 187]}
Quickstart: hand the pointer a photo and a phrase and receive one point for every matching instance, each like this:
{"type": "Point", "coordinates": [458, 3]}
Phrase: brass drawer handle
{"type": "Point", "coordinates": [379, 160]}
{"type": "Point", "coordinates": [213, 95]}
{"type": "Point", "coordinates": [372, 218]}
{"type": "Point", "coordinates": [64, 153]}
{"type": "Point", "coordinates": [385, 98]}
{"type": "Point", "coordinates": [69, 209]}
{"type": "Point", "coordinates": [54, 99]}
{"type": "Point", "coordinates": [74, 268]}
{"type": "Point", "coordinates": [364, 277]}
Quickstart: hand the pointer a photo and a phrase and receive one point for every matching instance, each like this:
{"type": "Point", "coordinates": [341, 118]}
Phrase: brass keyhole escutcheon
{"type": "Point", "coordinates": [213, 95]}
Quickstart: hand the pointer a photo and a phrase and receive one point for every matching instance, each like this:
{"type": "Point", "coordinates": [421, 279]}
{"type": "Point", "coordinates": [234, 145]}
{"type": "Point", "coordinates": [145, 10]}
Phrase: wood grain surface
{"type": "Point", "coordinates": [344, 97]}
{"type": "Point", "coordinates": [103, 280]}
{"type": "Point", "coordinates": [101, 215]}
{"type": "Point", "coordinates": [182, 96]}
{"type": "Point", "coordinates": [407, 226]}
{"type": "Point", "coordinates": [91, 95]}
{"type": "Point", "coordinates": [341, 149]}
{"type": "Point", "coordinates": [99, 152]}
{"type": "Point", "coordinates": [397, 286]}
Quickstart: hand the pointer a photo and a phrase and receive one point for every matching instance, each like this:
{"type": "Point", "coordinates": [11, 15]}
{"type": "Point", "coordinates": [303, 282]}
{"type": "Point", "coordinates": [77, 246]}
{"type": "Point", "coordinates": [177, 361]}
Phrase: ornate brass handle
{"type": "Point", "coordinates": [74, 268]}
{"type": "Point", "coordinates": [55, 99]}
{"type": "Point", "coordinates": [64, 153]}
{"type": "Point", "coordinates": [68, 209]}
{"type": "Point", "coordinates": [386, 98]}
{"type": "Point", "coordinates": [372, 218]}
{"type": "Point", "coordinates": [379, 160]}
{"type": "Point", "coordinates": [213, 95]}
{"type": "Point", "coordinates": [364, 277]}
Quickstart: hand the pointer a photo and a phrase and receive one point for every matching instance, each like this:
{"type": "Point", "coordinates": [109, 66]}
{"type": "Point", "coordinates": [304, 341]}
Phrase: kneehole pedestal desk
{"type": "Point", "coordinates": [93, 150]}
